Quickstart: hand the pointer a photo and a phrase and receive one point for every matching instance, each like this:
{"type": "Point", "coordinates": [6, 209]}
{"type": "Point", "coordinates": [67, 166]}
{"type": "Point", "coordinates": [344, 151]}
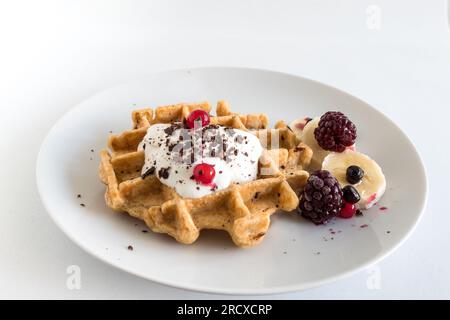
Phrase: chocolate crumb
{"type": "Point", "coordinates": [78, 196]}
{"type": "Point", "coordinates": [388, 231]}
{"type": "Point", "coordinates": [359, 213]}
{"type": "Point", "coordinates": [82, 204]}
{"type": "Point", "coordinates": [130, 248]}
{"type": "Point", "coordinates": [92, 150]}
{"type": "Point", "coordinates": [144, 231]}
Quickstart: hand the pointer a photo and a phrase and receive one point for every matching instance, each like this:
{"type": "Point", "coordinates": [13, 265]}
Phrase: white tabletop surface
{"type": "Point", "coordinates": [54, 54]}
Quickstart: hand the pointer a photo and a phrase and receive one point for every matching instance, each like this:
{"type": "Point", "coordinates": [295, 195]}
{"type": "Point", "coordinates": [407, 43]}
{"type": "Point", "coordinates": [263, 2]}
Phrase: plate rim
{"type": "Point", "coordinates": [245, 291]}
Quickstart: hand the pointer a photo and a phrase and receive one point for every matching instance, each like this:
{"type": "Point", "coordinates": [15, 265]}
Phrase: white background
{"type": "Point", "coordinates": [54, 54]}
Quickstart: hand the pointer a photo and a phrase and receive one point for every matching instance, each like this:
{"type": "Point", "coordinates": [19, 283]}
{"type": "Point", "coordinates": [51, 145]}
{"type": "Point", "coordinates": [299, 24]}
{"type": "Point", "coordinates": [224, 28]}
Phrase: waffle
{"type": "Point", "coordinates": [242, 210]}
{"type": "Point", "coordinates": [128, 141]}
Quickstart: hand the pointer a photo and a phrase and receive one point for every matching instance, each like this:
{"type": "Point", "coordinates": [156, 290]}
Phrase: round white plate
{"type": "Point", "coordinates": [295, 253]}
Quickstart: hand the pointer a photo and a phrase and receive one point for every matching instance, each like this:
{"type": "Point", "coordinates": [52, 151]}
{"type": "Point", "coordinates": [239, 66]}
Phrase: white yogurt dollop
{"type": "Point", "coordinates": [172, 152]}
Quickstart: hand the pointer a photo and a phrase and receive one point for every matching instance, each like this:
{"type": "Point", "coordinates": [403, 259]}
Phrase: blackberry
{"type": "Point", "coordinates": [335, 132]}
{"type": "Point", "coordinates": [321, 199]}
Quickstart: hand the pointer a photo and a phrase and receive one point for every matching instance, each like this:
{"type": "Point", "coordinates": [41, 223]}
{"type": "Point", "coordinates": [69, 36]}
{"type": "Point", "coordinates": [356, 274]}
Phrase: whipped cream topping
{"type": "Point", "coordinates": [172, 152]}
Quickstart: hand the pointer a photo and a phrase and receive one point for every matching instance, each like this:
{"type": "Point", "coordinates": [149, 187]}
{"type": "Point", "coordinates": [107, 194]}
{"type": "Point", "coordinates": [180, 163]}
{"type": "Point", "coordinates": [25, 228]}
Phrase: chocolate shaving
{"type": "Point", "coordinates": [164, 173]}
{"type": "Point", "coordinates": [259, 235]}
{"type": "Point", "coordinates": [148, 172]}
{"type": "Point", "coordinates": [169, 130]}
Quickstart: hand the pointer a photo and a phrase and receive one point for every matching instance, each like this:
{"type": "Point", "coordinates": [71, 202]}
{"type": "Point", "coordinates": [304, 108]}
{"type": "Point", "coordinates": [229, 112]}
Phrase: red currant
{"type": "Point", "coordinates": [204, 173]}
{"type": "Point", "coordinates": [347, 211]}
{"type": "Point", "coordinates": [197, 115]}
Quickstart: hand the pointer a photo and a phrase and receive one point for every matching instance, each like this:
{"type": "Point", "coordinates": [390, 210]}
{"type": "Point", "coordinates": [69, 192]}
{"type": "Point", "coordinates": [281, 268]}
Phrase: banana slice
{"type": "Point", "coordinates": [298, 125]}
{"type": "Point", "coordinates": [309, 139]}
{"type": "Point", "coordinates": [372, 186]}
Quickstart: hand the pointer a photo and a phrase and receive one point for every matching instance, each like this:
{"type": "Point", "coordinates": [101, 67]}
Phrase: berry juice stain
{"type": "Point", "coordinates": [383, 208]}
